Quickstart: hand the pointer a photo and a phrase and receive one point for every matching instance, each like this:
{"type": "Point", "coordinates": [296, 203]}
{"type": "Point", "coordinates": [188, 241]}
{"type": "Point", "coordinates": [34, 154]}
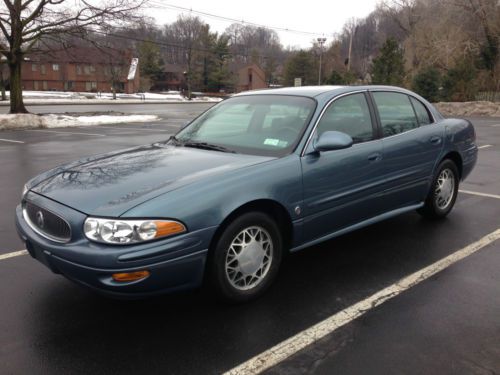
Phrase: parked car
{"type": "Point", "coordinates": [258, 175]}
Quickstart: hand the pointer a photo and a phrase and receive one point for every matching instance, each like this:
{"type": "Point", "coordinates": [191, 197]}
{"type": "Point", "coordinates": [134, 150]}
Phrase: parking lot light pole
{"type": "Point", "coordinates": [321, 41]}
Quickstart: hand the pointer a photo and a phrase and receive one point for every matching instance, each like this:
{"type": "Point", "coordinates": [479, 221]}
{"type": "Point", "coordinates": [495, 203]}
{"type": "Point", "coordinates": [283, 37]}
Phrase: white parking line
{"type": "Point", "coordinates": [13, 254]}
{"type": "Point", "coordinates": [54, 131]}
{"type": "Point", "coordinates": [483, 146]}
{"type": "Point", "coordinates": [479, 194]}
{"type": "Point", "coordinates": [147, 129]}
{"type": "Point", "coordinates": [294, 344]}
{"type": "Point", "coordinates": [10, 140]}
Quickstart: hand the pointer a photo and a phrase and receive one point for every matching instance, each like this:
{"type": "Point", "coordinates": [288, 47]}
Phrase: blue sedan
{"type": "Point", "coordinates": [254, 177]}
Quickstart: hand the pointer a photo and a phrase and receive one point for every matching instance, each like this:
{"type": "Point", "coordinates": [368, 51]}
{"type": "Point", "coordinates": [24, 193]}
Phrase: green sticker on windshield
{"type": "Point", "coordinates": [275, 142]}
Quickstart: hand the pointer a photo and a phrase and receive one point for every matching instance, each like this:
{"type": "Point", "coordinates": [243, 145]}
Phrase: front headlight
{"type": "Point", "coordinates": [115, 231]}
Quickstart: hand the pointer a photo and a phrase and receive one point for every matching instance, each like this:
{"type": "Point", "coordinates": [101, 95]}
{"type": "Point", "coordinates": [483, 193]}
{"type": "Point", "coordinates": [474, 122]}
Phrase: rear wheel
{"type": "Point", "coordinates": [443, 193]}
{"type": "Point", "coordinates": [246, 258]}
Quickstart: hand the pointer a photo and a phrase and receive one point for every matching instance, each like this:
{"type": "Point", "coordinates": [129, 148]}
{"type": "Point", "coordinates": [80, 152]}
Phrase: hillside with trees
{"type": "Point", "coordinates": [444, 50]}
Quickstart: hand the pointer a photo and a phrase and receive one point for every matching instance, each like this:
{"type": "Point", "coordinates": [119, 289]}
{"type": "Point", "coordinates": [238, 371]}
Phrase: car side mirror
{"type": "Point", "coordinates": [333, 140]}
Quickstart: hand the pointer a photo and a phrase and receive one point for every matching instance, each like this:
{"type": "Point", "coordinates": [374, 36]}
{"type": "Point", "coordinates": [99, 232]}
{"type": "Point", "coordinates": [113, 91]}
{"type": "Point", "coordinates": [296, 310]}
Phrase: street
{"type": "Point", "coordinates": [447, 324]}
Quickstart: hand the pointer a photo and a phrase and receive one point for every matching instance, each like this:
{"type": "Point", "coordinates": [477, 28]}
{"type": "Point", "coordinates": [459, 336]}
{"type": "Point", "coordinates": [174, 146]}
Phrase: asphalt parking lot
{"type": "Point", "coordinates": [447, 324]}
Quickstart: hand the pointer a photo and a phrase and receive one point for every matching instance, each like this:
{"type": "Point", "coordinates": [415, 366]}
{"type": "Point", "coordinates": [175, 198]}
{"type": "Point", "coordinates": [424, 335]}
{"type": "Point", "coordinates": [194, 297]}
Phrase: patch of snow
{"type": "Point", "coordinates": [30, 121]}
{"type": "Point", "coordinates": [174, 96]}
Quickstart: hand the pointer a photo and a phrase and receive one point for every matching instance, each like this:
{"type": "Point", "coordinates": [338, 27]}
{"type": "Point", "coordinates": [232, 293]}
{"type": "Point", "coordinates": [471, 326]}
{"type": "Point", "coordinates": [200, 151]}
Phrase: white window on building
{"type": "Point", "coordinates": [86, 69]}
{"type": "Point", "coordinates": [55, 67]}
{"type": "Point", "coordinates": [78, 69]}
{"type": "Point", "coordinates": [35, 85]}
{"type": "Point", "coordinates": [42, 69]}
{"type": "Point", "coordinates": [90, 86]}
{"type": "Point", "coordinates": [92, 68]}
{"type": "Point", "coordinates": [34, 67]}
{"type": "Point", "coordinates": [45, 85]}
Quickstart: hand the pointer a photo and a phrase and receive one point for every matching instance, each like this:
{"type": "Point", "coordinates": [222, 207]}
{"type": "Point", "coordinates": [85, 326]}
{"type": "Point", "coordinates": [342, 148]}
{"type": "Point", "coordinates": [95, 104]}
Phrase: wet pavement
{"type": "Point", "coordinates": [448, 324]}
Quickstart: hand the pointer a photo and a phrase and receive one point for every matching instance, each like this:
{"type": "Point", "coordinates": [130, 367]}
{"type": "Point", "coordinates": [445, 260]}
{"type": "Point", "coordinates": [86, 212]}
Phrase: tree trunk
{"type": "Point", "coordinates": [16, 88]}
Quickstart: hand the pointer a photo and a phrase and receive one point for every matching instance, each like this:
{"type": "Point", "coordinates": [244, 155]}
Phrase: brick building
{"type": "Point", "coordinates": [171, 78]}
{"type": "Point", "coordinates": [251, 77]}
{"type": "Point", "coordinates": [80, 69]}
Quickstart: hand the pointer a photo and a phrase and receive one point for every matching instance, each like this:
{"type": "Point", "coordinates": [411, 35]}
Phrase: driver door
{"type": "Point", "coordinates": [342, 187]}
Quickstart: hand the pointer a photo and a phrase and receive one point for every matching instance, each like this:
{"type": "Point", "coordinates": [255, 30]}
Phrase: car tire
{"type": "Point", "coordinates": [245, 259]}
{"type": "Point", "coordinates": [443, 193]}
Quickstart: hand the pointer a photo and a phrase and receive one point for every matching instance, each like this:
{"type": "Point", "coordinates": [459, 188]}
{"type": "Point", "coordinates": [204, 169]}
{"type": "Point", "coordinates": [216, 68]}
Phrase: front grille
{"type": "Point", "coordinates": [47, 223]}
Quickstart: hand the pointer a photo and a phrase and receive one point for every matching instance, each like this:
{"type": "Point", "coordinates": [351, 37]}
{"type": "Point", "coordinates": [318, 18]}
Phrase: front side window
{"type": "Point", "coordinates": [423, 115]}
{"type": "Point", "coordinates": [396, 112]}
{"type": "Point", "coordinates": [268, 125]}
{"type": "Point", "coordinates": [350, 115]}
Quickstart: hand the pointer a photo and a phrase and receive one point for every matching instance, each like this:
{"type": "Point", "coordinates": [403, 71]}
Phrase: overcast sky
{"type": "Point", "coordinates": [322, 17]}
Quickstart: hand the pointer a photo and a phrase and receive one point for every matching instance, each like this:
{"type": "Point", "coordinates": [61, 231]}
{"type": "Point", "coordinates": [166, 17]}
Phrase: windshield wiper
{"type": "Point", "coordinates": [207, 146]}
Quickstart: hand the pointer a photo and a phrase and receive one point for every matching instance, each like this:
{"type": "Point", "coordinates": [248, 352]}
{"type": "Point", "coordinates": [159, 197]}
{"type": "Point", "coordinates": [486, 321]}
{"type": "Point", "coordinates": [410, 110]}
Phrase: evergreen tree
{"type": "Point", "coordinates": [426, 83]}
{"type": "Point", "coordinates": [219, 76]}
{"type": "Point", "coordinates": [459, 83]}
{"type": "Point", "coordinates": [301, 65]}
{"type": "Point", "coordinates": [150, 63]}
{"type": "Point", "coordinates": [388, 67]}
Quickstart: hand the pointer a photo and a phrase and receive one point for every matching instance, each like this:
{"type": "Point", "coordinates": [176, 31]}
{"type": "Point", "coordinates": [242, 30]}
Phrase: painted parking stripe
{"type": "Point", "coordinates": [13, 254]}
{"type": "Point", "coordinates": [54, 131]}
{"type": "Point", "coordinates": [10, 140]}
{"type": "Point", "coordinates": [147, 129]}
{"type": "Point", "coordinates": [294, 344]}
{"type": "Point", "coordinates": [479, 194]}
{"type": "Point", "coordinates": [483, 146]}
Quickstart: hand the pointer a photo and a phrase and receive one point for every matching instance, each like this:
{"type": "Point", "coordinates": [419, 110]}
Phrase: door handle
{"type": "Point", "coordinates": [435, 140]}
{"type": "Point", "coordinates": [375, 157]}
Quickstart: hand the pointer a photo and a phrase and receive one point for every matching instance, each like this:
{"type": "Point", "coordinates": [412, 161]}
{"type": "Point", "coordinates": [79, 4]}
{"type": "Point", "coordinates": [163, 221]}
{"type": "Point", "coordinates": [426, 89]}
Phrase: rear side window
{"type": "Point", "coordinates": [396, 112]}
{"type": "Point", "coordinates": [349, 114]}
{"type": "Point", "coordinates": [422, 113]}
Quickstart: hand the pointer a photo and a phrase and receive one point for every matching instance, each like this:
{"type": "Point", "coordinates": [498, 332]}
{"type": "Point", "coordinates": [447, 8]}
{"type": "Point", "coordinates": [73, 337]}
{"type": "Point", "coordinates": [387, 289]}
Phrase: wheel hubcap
{"type": "Point", "coordinates": [249, 258]}
{"type": "Point", "coordinates": [445, 189]}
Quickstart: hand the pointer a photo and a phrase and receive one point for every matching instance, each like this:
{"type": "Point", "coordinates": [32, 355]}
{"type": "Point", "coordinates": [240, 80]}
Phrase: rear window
{"type": "Point", "coordinates": [423, 116]}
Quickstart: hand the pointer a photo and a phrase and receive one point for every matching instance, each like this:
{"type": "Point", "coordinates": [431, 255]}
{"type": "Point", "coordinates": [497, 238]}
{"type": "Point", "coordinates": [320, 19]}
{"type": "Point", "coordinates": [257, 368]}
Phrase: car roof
{"type": "Point", "coordinates": [315, 91]}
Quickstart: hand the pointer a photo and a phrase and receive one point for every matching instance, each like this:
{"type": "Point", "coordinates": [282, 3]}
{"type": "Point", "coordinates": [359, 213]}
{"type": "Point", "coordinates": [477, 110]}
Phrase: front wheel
{"type": "Point", "coordinates": [246, 258]}
{"type": "Point", "coordinates": [443, 193]}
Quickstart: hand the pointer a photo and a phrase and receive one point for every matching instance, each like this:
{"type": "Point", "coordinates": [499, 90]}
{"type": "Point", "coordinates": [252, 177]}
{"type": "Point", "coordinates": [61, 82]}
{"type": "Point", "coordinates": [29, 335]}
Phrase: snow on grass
{"type": "Point", "coordinates": [167, 96]}
{"type": "Point", "coordinates": [30, 121]}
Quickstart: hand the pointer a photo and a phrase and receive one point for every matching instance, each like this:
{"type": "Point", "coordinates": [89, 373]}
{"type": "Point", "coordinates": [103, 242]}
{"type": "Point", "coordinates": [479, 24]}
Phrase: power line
{"type": "Point", "coordinates": [172, 45]}
{"type": "Point", "coordinates": [160, 4]}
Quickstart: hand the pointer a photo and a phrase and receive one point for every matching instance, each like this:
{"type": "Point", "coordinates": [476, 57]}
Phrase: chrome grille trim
{"type": "Point", "coordinates": [40, 231]}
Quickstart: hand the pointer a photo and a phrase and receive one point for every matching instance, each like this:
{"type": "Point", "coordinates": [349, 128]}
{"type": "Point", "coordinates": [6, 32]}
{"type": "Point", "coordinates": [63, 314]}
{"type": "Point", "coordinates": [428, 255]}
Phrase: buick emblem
{"type": "Point", "coordinates": [40, 219]}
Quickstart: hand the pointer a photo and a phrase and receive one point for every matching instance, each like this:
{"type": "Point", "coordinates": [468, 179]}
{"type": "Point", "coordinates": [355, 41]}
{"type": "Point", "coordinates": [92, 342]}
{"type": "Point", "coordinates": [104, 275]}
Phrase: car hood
{"type": "Point", "coordinates": [111, 184]}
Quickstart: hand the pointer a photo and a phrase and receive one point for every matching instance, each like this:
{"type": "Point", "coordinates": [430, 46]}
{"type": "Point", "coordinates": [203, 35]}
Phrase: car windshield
{"type": "Point", "coordinates": [267, 125]}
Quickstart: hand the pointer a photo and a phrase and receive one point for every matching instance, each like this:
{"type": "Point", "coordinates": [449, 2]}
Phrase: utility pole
{"type": "Point", "coordinates": [321, 41]}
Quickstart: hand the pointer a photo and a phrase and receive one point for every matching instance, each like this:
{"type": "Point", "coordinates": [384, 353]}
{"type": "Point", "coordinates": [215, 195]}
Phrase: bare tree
{"type": "Point", "coordinates": [26, 25]}
{"type": "Point", "coordinates": [189, 32]}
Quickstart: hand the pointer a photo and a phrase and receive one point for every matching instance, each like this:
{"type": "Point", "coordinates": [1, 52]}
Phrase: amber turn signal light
{"type": "Point", "coordinates": [167, 228]}
{"type": "Point", "coordinates": [130, 276]}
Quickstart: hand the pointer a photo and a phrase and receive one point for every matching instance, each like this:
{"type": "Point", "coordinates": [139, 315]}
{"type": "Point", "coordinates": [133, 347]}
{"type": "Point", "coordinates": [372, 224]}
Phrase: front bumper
{"type": "Point", "coordinates": [174, 264]}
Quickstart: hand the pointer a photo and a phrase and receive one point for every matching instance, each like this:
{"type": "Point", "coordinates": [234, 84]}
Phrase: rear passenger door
{"type": "Point", "coordinates": [411, 146]}
{"type": "Point", "coordinates": [342, 187]}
